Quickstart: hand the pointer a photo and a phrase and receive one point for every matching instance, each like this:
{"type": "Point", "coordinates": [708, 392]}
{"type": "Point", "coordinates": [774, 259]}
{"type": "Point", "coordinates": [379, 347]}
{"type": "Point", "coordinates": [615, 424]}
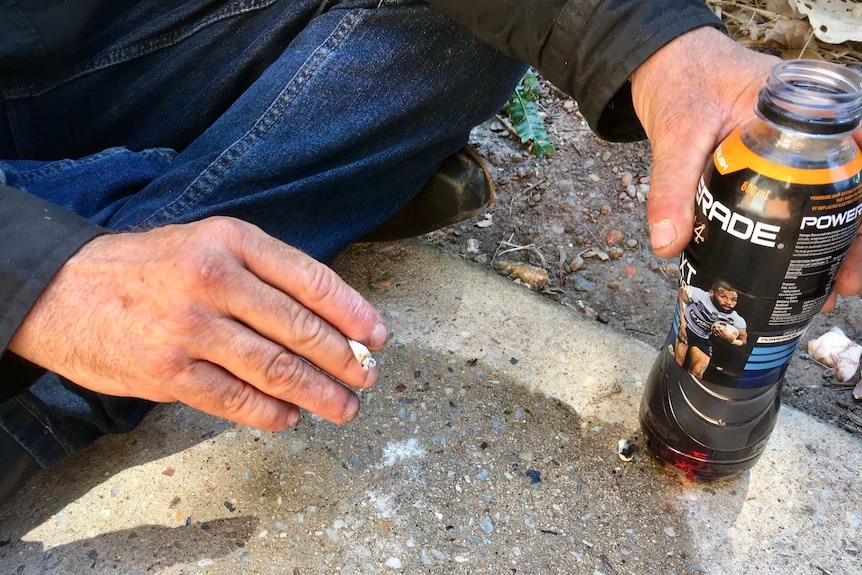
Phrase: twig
{"type": "Point", "coordinates": [515, 247]}
{"type": "Point", "coordinates": [758, 11]}
{"type": "Point", "coordinates": [855, 419]}
{"type": "Point", "coordinates": [531, 247]}
{"type": "Point", "coordinates": [500, 245]}
{"type": "Point", "coordinates": [505, 123]}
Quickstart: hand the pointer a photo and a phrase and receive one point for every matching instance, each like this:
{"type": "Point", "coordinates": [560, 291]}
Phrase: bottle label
{"type": "Point", "coordinates": [767, 244]}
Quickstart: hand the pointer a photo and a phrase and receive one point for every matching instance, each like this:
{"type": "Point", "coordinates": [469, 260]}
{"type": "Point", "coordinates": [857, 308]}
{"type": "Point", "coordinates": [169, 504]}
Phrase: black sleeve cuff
{"type": "Point", "coordinates": [593, 59]}
{"type": "Point", "coordinates": [36, 239]}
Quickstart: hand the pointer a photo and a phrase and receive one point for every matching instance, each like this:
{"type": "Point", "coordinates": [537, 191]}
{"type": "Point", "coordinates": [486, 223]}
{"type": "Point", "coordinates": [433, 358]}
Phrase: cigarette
{"type": "Point", "coordinates": [362, 355]}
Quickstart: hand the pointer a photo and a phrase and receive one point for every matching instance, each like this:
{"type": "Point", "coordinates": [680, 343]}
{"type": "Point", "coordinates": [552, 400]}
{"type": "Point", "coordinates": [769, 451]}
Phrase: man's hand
{"type": "Point", "coordinates": [215, 314]}
{"type": "Point", "coordinates": [689, 96]}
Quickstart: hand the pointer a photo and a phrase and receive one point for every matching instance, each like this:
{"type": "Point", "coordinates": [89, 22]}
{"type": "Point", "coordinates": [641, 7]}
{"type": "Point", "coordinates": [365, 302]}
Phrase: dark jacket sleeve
{"type": "Point", "coordinates": [588, 48]}
{"type": "Point", "coordinates": [36, 239]}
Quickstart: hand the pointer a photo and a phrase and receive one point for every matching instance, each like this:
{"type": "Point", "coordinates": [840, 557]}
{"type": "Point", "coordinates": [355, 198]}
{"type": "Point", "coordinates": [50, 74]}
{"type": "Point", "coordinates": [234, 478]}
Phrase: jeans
{"type": "Point", "coordinates": [315, 120]}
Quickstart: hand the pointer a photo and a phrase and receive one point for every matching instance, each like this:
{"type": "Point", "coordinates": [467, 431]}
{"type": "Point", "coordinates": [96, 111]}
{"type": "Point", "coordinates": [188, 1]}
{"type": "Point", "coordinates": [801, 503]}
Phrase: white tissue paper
{"type": "Point", "coordinates": [839, 352]}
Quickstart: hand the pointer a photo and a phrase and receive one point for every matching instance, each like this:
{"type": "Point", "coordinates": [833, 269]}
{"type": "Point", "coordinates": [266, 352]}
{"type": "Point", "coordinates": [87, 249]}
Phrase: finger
{"type": "Point", "coordinates": [290, 326]}
{"type": "Point", "coordinates": [849, 278]}
{"type": "Point", "coordinates": [277, 372]}
{"type": "Point", "coordinates": [830, 303]}
{"type": "Point", "coordinates": [213, 390]}
{"type": "Point", "coordinates": [315, 286]}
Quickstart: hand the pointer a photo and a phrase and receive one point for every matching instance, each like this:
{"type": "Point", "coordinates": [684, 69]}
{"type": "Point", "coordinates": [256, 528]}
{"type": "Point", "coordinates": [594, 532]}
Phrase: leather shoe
{"type": "Point", "coordinates": [17, 466]}
{"type": "Point", "coordinates": [460, 189]}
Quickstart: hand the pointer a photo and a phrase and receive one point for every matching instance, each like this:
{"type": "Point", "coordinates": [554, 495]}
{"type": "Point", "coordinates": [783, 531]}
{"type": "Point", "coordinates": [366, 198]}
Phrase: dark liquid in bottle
{"type": "Point", "coordinates": [703, 430]}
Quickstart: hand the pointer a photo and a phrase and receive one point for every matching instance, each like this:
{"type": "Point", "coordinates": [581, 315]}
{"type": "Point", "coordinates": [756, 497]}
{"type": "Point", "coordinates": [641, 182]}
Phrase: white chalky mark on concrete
{"type": "Point", "coordinates": [396, 451]}
{"type": "Point", "coordinates": [384, 503]}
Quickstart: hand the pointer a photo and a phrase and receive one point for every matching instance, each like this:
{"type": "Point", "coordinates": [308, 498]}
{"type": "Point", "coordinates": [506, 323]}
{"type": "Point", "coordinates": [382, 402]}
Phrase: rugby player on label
{"type": "Point", "coordinates": [705, 313]}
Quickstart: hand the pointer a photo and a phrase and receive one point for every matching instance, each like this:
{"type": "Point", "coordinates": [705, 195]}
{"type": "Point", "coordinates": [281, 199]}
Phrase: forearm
{"type": "Point", "coordinates": [36, 239]}
{"type": "Point", "coordinates": [588, 48]}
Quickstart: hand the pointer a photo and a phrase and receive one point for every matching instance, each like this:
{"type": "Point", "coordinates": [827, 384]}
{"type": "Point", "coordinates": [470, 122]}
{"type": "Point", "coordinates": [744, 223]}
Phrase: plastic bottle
{"type": "Point", "coordinates": [775, 215]}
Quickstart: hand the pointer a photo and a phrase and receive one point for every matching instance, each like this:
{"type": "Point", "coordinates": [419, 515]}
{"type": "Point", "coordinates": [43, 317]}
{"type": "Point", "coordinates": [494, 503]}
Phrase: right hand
{"type": "Point", "coordinates": [215, 314]}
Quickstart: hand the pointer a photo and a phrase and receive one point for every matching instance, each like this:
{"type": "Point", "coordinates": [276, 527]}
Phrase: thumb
{"type": "Point", "coordinates": [681, 149]}
{"type": "Point", "coordinates": [687, 104]}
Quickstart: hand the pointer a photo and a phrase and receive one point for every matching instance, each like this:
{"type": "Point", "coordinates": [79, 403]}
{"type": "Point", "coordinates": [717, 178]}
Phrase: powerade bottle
{"type": "Point", "coordinates": [775, 215]}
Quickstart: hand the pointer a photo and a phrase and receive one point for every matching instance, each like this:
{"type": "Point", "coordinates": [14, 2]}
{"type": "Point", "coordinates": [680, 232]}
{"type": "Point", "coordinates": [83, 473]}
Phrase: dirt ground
{"type": "Point", "coordinates": [580, 216]}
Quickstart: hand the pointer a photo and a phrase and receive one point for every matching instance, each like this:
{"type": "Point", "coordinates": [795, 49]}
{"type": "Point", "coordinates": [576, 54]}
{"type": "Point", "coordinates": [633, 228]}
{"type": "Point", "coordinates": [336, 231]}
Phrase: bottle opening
{"type": "Point", "coordinates": [813, 96]}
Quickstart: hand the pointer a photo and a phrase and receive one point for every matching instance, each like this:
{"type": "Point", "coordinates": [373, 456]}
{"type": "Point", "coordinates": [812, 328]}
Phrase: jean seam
{"type": "Point", "coordinates": [59, 165]}
{"type": "Point", "coordinates": [130, 52]}
{"type": "Point", "coordinates": [39, 421]}
{"type": "Point", "coordinates": [217, 168]}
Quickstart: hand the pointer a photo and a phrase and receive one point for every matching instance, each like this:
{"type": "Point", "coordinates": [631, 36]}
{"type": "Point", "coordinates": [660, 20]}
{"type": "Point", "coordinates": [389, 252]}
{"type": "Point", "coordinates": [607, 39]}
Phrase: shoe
{"type": "Point", "coordinates": [17, 466]}
{"type": "Point", "coordinates": [460, 189]}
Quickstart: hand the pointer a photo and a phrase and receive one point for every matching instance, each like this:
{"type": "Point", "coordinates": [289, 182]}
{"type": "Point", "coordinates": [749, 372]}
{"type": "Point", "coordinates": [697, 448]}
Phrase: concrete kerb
{"type": "Point", "coordinates": [489, 445]}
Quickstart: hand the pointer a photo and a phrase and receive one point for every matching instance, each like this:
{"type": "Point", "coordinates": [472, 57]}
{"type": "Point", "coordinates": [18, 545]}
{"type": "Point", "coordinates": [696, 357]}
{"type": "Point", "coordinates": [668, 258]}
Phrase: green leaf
{"type": "Point", "coordinates": [524, 115]}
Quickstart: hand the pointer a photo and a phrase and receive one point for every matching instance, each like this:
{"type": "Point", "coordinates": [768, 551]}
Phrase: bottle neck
{"type": "Point", "coordinates": [812, 97]}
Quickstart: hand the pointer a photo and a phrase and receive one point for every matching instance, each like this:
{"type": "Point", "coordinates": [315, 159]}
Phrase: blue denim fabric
{"type": "Point", "coordinates": [315, 120]}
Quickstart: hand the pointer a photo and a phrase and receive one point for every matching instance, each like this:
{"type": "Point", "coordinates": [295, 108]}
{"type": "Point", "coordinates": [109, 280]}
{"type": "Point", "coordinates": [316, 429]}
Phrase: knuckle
{"type": "Point", "coordinates": [205, 270]}
{"type": "Point", "coordinates": [286, 376]}
{"type": "Point", "coordinates": [323, 283]}
{"type": "Point", "coordinates": [310, 331]}
{"type": "Point", "coordinates": [291, 379]}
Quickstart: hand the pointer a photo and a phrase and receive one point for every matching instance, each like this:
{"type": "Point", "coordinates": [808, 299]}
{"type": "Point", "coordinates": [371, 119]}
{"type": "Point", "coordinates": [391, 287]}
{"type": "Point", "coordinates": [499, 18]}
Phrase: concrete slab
{"type": "Point", "coordinates": [488, 446]}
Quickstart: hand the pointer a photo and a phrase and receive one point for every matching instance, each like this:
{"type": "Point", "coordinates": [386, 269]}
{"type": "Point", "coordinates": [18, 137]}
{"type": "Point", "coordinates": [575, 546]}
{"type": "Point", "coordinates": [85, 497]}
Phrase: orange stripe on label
{"type": "Point", "coordinates": [733, 155]}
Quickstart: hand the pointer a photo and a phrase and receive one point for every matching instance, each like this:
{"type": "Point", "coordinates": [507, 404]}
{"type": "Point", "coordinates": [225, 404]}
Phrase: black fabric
{"type": "Point", "coordinates": [36, 239]}
{"type": "Point", "coordinates": [18, 466]}
{"type": "Point", "coordinates": [587, 48]}
{"type": "Point", "coordinates": [34, 33]}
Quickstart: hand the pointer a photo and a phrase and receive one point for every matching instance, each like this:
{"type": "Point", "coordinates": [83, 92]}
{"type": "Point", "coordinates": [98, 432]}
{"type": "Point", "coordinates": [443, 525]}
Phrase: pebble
{"type": "Point", "coordinates": [631, 243]}
{"type": "Point", "coordinates": [569, 106]}
{"type": "Point", "coordinates": [580, 283]}
{"type": "Point", "coordinates": [576, 263]}
{"type": "Point", "coordinates": [615, 252]}
{"type": "Point", "coordinates": [670, 531]}
{"type": "Point", "coordinates": [606, 210]}
{"type": "Point", "coordinates": [596, 254]}
{"type": "Point", "coordinates": [631, 191]}
{"type": "Point", "coordinates": [626, 179]}
{"type": "Point", "coordinates": [393, 563]}
{"type": "Point", "coordinates": [613, 237]}
{"type": "Point", "coordinates": [473, 246]}
{"type": "Point", "coordinates": [486, 525]}
{"type": "Point", "coordinates": [594, 178]}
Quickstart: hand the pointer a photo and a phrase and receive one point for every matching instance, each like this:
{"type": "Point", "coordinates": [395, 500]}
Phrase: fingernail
{"type": "Point", "coordinates": [662, 234]}
{"type": "Point", "coordinates": [379, 336]}
{"type": "Point", "coordinates": [351, 409]}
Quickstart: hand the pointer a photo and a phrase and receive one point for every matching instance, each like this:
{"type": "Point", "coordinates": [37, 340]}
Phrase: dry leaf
{"type": "Point", "coordinates": [792, 34]}
{"type": "Point", "coordinates": [781, 7]}
{"type": "Point", "coordinates": [834, 21]}
{"type": "Point", "coordinates": [803, 54]}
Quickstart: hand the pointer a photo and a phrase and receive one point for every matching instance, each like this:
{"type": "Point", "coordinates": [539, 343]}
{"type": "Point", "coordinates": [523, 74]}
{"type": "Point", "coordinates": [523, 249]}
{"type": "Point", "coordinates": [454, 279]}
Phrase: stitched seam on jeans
{"type": "Point", "coordinates": [47, 428]}
{"type": "Point", "coordinates": [55, 166]}
{"type": "Point", "coordinates": [126, 53]}
{"type": "Point", "coordinates": [210, 176]}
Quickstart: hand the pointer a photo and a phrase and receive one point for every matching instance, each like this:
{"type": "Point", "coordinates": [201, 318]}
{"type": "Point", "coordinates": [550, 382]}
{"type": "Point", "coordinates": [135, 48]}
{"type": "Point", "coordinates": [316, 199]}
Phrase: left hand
{"type": "Point", "coordinates": [689, 96]}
